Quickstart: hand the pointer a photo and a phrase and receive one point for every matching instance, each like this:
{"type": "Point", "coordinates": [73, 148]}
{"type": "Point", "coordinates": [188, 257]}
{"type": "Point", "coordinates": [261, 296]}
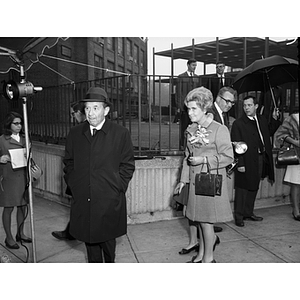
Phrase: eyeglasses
{"type": "Point", "coordinates": [228, 101]}
{"type": "Point", "coordinates": [17, 123]}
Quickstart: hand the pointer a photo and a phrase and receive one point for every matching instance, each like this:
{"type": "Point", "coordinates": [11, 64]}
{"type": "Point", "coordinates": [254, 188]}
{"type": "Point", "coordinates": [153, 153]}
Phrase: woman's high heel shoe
{"type": "Point", "coordinates": [25, 240]}
{"type": "Point", "coordinates": [186, 251]}
{"type": "Point", "coordinates": [297, 218]}
{"type": "Point", "coordinates": [193, 260]}
{"type": "Point", "coordinates": [217, 242]}
{"type": "Point", "coordinates": [14, 246]}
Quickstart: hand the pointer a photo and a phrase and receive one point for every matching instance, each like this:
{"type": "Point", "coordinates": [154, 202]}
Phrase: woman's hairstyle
{"type": "Point", "coordinates": [202, 96]}
{"type": "Point", "coordinates": [9, 118]}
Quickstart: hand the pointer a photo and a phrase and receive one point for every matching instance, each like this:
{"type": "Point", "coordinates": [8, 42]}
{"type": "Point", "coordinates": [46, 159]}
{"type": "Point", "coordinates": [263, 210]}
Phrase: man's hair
{"type": "Point", "coordinates": [255, 100]}
{"type": "Point", "coordinates": [219, 62]}
{"type": "Point", "coordinates": [191, 60]}
{"type": "Point", "coordinates": [225, 89]}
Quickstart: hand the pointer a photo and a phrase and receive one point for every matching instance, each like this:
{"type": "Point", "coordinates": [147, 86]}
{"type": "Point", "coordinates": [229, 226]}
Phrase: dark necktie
{"type": "Point", "coordinates": [94, 131]}
{"type": "Point", "coordinates": [225, 119]}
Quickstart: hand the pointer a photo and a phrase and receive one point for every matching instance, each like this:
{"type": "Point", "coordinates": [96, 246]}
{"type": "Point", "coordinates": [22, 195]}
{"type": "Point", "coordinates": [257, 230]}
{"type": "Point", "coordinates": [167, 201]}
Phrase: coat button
{"type": "Point", "coordinates": [88, 199]}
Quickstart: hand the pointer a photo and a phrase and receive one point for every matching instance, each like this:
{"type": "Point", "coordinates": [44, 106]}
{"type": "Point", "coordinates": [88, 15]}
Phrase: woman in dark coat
{"type": "Point", "coordinates": [207, 141]}
{"type": "Point", "coordinates": [12, 180]}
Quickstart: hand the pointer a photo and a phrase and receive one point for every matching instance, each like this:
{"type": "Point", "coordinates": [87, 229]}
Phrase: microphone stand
{"type": "Point", "coordinates": [24, 99]}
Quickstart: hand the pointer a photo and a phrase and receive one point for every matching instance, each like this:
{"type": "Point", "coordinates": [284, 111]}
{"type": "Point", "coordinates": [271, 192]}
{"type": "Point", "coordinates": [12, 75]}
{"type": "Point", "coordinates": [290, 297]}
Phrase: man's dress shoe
{"type": "Point", "coordinates": [218, 229]}
{"type": "Point", "coordinates": [186, 251]}
{"type": "Point", "coordinates": [253, 218]}
{"type": "Point", "coordinates": [63, 235]}
{"type": "Point", "coordinates": [239, 223]}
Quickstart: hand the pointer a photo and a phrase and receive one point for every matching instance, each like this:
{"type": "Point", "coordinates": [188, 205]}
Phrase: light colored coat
{"type": "Point", "coordinates": [204, 208]}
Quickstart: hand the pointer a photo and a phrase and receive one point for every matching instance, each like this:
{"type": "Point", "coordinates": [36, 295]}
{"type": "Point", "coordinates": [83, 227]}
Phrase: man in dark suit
{"type": "Point", "coordinates": [215, 82]}
{"type": "Point", "coordinates": [256, 163]}
{"type": "Point", "coordinates": [224, 101]}
{"type": "Point", "coordinates": [186, 82]}
{"type": "Point", "coordinates": [99, 163]}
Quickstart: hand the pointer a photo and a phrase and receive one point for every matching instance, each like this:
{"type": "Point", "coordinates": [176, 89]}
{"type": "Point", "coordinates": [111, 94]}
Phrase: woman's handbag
{"type": "Point", "coordinates": [182, 198]}
{"type": "Point", "coordinates": [36, 171]}
{"type": "Point", "coordinates": [207, 184]}
{"type": "Point", "coordinates": [287, 156]}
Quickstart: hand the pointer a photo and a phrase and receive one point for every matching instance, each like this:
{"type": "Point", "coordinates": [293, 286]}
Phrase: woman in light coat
{"type": "Point", "coordinates": [288, 133]}
{"type": "Point", "coordinates": [207, 141]}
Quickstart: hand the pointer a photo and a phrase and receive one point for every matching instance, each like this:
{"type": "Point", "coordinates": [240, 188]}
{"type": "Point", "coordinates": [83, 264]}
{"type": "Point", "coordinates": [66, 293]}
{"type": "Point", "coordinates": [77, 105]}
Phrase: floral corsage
{"type": "Point", "coordinates": [199, 137]}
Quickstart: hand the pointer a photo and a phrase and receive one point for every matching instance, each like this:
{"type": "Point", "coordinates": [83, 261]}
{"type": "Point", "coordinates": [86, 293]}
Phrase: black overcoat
{"type": "Point", "coordinates": [98, 170]}
{"type": "Point", "coordinates": [244, 129]}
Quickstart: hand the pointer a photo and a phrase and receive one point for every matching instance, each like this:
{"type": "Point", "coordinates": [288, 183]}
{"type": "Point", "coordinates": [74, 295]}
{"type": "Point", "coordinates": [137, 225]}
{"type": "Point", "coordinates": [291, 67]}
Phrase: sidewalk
{"type": "Point", "coordinates": [274, 240]}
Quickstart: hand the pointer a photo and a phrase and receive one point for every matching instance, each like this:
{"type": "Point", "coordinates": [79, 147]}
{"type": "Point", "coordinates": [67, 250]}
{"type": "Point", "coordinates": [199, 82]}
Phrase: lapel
{"type": "Point", "coordinates": [14, 142]}
{"type": "Point", "coordinates": [87, 132]}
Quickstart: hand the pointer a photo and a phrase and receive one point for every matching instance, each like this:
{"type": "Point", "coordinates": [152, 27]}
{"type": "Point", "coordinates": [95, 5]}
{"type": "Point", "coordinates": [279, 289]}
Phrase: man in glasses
{"type": "Point", "coordinates": [224, 101]}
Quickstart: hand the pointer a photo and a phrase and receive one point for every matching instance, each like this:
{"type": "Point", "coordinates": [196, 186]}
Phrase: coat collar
{"type": "Point", "coordinates": [86, 129]}
{"type": "Point", "coordinates": [14, 142]}
{"type": "Point", "coordinates": [206, 122]}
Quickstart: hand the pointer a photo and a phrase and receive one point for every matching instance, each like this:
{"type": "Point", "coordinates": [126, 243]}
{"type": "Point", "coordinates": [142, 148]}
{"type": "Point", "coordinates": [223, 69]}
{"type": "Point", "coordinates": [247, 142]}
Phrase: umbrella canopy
{"type": "Point", "coordinates": [23, 50]}
{"type": "Point", "coordinates": [265, 73]}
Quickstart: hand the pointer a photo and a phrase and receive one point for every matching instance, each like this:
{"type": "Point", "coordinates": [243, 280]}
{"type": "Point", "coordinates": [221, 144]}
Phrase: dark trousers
{"type": "Point", "coordinates": [96, 252]}
{"type": "Point", "coordinates": [243, 203]}
{"type": "Point", "coordinates": [184, 122]}
{"type": "Point", "coordinates": [244, 199]}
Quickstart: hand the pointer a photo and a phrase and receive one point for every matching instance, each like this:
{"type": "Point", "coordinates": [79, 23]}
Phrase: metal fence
{"type": "Point", "coordinates": [142, 103]}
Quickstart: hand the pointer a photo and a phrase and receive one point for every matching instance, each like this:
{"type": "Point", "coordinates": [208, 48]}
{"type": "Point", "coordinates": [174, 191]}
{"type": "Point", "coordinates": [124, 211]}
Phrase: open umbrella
{"type": "Point", "coordinates": [265, 73]}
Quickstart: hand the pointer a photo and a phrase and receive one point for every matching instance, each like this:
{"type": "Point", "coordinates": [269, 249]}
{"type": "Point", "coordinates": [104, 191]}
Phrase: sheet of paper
{"type": "Point", "coordinates": [18, 158]}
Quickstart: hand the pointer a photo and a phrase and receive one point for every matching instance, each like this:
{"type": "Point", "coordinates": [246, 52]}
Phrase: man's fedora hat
{"type": "Point", "coordinates": [96, 94]}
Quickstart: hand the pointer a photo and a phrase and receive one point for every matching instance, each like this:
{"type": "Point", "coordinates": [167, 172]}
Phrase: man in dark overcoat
{"type": "Point", "coordinates": [99, 163]}
{"type": "Point", "coordinates": [256, 163]}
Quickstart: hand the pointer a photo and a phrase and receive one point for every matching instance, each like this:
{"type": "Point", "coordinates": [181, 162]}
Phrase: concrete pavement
{"type": "Point", "coordinates": [274, 240]}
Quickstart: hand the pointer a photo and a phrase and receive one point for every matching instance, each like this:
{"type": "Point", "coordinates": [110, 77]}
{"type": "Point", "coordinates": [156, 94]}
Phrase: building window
{"type": "Point", "coordinates": [135, 54]}
{"type": "Point", "coordinates": [66, 51]}
{"type": "Point", "coordinates": [142, 58]}
{"type": "Point", "coordinates": [98, 62]}
{"type": "Point", "coordinates": [111, 43]}
{"type": "Point", "coordinates": [120, 46]}
{"type": "Point", "coordinates": [99, 40]}
{"type": "Point", "coordinates": [129, 49]}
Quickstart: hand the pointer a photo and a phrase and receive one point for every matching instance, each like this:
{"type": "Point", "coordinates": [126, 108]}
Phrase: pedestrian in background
{"type": "Point", "coordinates": [288, 133]}
{"type": "Point", "coordinates": [13, 180]}
{"type": "Point", "coordinates": [255, 164]}
{"type": "Point", "coordinates": [185, 83]}
{"type": "Point", "coordinates": [76, 112]}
